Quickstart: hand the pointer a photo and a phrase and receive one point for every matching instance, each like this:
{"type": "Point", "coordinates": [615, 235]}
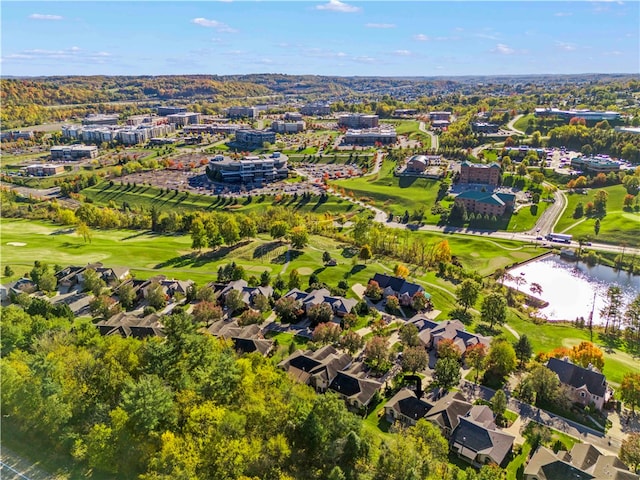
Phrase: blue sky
{"type": "Point", "coordinates": [330, 37]}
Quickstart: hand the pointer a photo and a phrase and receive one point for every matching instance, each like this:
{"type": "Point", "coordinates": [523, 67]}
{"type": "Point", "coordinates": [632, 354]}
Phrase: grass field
{"type": "Point", "coordinates": [411, 128]}
{"type": "Point", "coordinates": [394, 194]}
{"type": "Point", "coordinates": [146, 196]}
{"type": "Point", "coordinates": [523, 122]}
{"type": "Point", "coordinates": [616, 226]}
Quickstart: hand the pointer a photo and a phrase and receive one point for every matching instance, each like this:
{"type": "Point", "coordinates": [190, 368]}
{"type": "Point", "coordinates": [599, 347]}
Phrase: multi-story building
{"type": "Point", "coordinates": [371, 136]}
{"type": "Point", "coordinates": [316, 109]}
{"type": "Point", "coordinates": [595, 164]}
{"type": "Point", "coordinates": [480, 173]}
{"type": "Point", "coordinates": [485, 127]}
{"type": "Point", "coordinates": [101, 119]}
{"type": "Point", "coordinates": [419, 163]}
{"type": "Point", "coordinates": [128, 135]}
{"type": "Point", "coordinates": [293, 116]}
{"type": "Point", "coordinates": [587, 115]}
{"type": "Point", "coordinates": [17, 135]}
{"type": "Point", "coordinates": [358, 120]}
{"type": "Point", "coordinates": [486, 203]}
{"type": "Point", "coordinates": [170, 110]}
{"type": "Point", "coordinates": [242, 112]}
{"type": "Point", "coordinates": [249, 138]}
{"type": "Point", "coordinates": [44, 170]}
{"type": "Point", "coordinates": [184, 118]}
{"type": "Point", "coordinates": [440, 116]}
{"type": "Point", "coordinates": [254, 169]}
{"type": "Point", "coordinates": [279, 126]}
{"type": "Point", "coordinates": [73, 152]}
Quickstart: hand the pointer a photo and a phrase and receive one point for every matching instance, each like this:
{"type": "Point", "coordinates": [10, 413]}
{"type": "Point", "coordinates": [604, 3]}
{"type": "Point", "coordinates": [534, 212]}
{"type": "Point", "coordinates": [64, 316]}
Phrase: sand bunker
{"type": "Point", "coordinates": [16, 244]}
{"type": "Point", "coordinates": [305, 271]}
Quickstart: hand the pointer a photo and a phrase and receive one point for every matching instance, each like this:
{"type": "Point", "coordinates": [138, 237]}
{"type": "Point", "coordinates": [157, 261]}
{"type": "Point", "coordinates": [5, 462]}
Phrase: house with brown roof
{"type": "Point", "coordinates": [246, 339]}
{"type": "Point", "coordinates": [583, 462]}
{"type": "Point", "coordinates": [431, 333]}
{"type": "Point", "coordinates": [477, 441]}
{"type": "Point", "coordinates": [586, 385]}
{"type": "Point", "coordinates": [316, 368]}
{"type": "Point", "coordinates": [128, 325]}
{"type": "Point", "coordinates": [447, 411]}
{"type": "Point", "coordinates": [248, 293]}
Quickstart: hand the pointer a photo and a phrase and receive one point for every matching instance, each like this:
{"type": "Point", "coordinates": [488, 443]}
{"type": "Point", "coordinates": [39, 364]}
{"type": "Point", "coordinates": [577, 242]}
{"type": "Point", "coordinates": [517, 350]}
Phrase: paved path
{"type": "Point", "coordinates": [14, 467]}
{"type": "Point", "coordinates": [435, 141]}
{"type": "Point", "coordinates": [510, 125]}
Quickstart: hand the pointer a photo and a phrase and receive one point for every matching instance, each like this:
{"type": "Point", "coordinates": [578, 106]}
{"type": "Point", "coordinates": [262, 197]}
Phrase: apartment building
{"type": "Point", "coordinates": [371, 136]}
{"type": "Point", "coordinates": [101, 119]}
{"type": "Point", "coordinates": [242, 112]}
{"type": "Point", "coordinates": [184, 118]}
{"type": "Point", "coordinates": [486, 203]}
{"type": "Point", "coordinates": [358, 120]}
{"type": "Point", "coordinates": [280, 126]}
{"type": "Point", "coordinates": [251, 139]}
{"type": "Point", "coordinates": [128, 135]}
{"type": "Point", "coordinates": [480, 173]}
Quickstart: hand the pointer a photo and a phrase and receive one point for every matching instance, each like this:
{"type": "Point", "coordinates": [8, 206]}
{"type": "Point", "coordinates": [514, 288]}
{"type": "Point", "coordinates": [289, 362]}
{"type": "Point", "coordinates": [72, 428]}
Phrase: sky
{"type": "Point", "coordinates": [328, 37]}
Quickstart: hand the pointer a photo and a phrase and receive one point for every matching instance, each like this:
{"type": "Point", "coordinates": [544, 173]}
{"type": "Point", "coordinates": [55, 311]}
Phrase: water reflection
{"type": "Point", "coordinates": [569, 286]}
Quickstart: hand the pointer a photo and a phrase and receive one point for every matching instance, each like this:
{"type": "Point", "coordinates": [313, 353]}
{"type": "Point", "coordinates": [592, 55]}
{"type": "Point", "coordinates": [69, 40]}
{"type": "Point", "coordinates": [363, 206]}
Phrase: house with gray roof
{"type": "Point", "coordinates": [405, 407]}
{"type": "Point", "coordinates": [398, 287]}
{"type": "Point", "coordinates": [316, 368]}
{"type": "Point", "coordinates": [356, 390]}
{"type": "Point", "coordinates": [477, 441]}
{"type": "Point", "coordinates": [129, 325]}
{"type": "Point", "coordinates": [431, 333]}
{"type": "Point", "coordinates": [446, 412]}
{"type": "Point", "coordinates": [586, 385]}
{"type": "Point", "coordinates": [246, 339]}
{"type": "Point", "coordinates": [248, 293]}
{"type": "Point", "coordinates": [339, 305]}
{"type": "Point", "coordinates": [583, 462]}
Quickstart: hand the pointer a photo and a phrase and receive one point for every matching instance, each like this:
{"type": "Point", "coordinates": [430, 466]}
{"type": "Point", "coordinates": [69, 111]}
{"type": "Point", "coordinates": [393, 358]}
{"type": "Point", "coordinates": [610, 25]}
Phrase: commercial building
{"type": "Point", "coordinates": [101, 119]}
{"type": "Point", "coordinates": [44, 170]}
{"type": "Point", "coordinates": [480, 173]}
{"type": "Point", "coordinates": [485, 127]}
{"type": "Point", "coordinates": [249, 138]}
{"type": "Point", "coordinates": [316, 109]}
{"type": "Point", "coordinates": [420, 163]}
{"type": "Point", "coordinates": [358, 120]}
{"type": "Point", "coordinates": [73, 152]}
{"type": "Point", "coordinates": [17, 135]}
{"type": "Point", "coordinates": [211, 128]}
{"type": "Point", "coordinates": [587, 115]}
{"type": "Point", "coordinates": [242, 112]}
{"type": "Point", "coordinates": [446, 116]}
{"type": "Point", "coordinates": [371, 136]}
{"type": "Point", "coordinates": [486, 203]}
{"type": "Point", "coordinates": [170, 110]}
{"type": "Point", "coordinates": [293, 116]}
{"type": "Point", "coordinates": [404, 112]}
{"type": "Point", "coordinates": [184, 118]}
{"type": "Point", "coordinates": [279, 126]}
{"type": "Point", "coordinates": [595, 164]}
{"type": "Point", "coordinates": [254, 169]}
{"type": "Point", "coordinates": [128, 135]}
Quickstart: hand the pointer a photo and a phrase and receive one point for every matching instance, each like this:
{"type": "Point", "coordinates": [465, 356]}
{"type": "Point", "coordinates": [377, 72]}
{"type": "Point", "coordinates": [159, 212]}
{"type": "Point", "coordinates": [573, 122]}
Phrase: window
{"type": "Point", "coordinates": [582, 394]}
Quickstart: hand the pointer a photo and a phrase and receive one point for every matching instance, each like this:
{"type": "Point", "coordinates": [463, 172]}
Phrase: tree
{"type": "Point", "coordinates": [501, 359]}
{"type": "Point", "coordinates": [294, 279]}
{"type": "Point", "coordinates": [230, 231]}
{"type": "Point", "coordinates": [126, 295]}
{"type": "Point", "coordinates": [414, 359]}
{"type": "Point", "coordinates": [84, 231]}
{"type": "Point", "coordinates": [494, 309]}
{"type": "Point", "coordinates": [351, 342]}
{"type": "Point", "coordinates": [419, 301]}
{"type": "Point", "coordinates": [630, 390]}
{"type": "Point", "coordinates": [320, 313]}
{"type": "Point", "coordinates": [248, 227]}
{"type": "Point", "coordinates": [326, 333]}
{"type": "Point", "coordinates": [376, 352]}
{"type": "Point", "coordinates": [612, 311]}
{"type": "Point", "coordinates": [47, 282]}
{"type": "Point", "coordinates": [365, 253]}
{"type": "Point", "coordinates": [261, 303]}
{"type": "Point", "coordinates": [585, 354]}
{"type": "Point", "coordinates": [250, 317]}
{"type": "Point", "coordinates": [149, 405]}
{"type": "Point", "coordinates": [632, 318]}
{"type": "Point", "coordinates": [156, 297]}
{"type": "Point", "coordinates": [401, 271]}
{"type": "Point", "coordinates": [446, 373]}
{"type": "Point", "coordinates": [326, 257]}
{"type": "Point", "coordinates": [198, 235]}
{"type": "Point", "coordinates": [373, 291]}
{"type": "Point", "coordinates": [499, 403]}
{"type": "Point", "coordinates": [279, 230]}
{"type": "Point", "coordinates": [596, 226]}
{"type": "Point", "coordinates": [206, 294]}
{"type": "Point", "coordinates": [103, 306]}
{"type": "Point", "coordinates": [409, 335]}
{"type": "Point", "coordinates": [8, 271]}
{"type": "Point", "coordinates": [349, 320]}
{"type": "Point", "coordinates": [475, 356]}
{"type": "Point", "coordinates": [214, 239]}
{"type": "Point", "coordinates": [523, 349]}
{"type": "Point", "coordinates": [630, 451]}
{"type": "Point", "coordinates": [361, 231]}
{"type": "Point", "coordinates": [442, 252]}
{"type": "Point", "coordinates": [600, 201]}
{"type": "Point", "coordinates": [93, 282]}
{"type": "Point", "coordinates": [234, 302]}
{"type": "Point", "coordinates": [265, 278]}
{"type": "Point", "coordinates": [393, 304]}
{"type": "Point", "coordinates": [207, 313]}
{"type": "Point", "coordinates": [467, 293]}
{"type": "Point", "coordinates": [287, 309]}
{"type": "Point", "coordinates": [299, 237]}
{"type": "Point", "coordinates": [448, 349]}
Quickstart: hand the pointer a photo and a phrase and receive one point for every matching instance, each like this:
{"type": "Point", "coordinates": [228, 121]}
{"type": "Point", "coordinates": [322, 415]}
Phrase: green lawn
{"type": "Point", "coordinates": [616, 226]}
{"type": "Point", "coordinates": [146, 196]}
{"type": "Point", "coordinates": [394, 194]}
{"type": "Point", "coordinates": [523, 123]}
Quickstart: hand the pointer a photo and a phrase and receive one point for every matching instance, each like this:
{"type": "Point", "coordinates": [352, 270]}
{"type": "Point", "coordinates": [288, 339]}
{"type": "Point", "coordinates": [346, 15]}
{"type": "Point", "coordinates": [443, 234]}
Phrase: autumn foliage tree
{"type": "Point", "coordinates": [401, 271]}
{"type": "Point", "coordinates": [585, 354]}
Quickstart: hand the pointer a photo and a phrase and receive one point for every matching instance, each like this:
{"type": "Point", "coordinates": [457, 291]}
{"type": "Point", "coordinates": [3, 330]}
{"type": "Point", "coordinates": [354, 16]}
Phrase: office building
{"type": "Point", "coordinates": [316, 109]}
{"type": "Point", "coordinates": [73, 152]}
{"type": "Point", "coordinates": [249, 138]}
{"type": "Point", "coordinates": [358, 120]}
{"type": "Point", "coordinates": [101, 119]}
{"type": "Point", "coordinates": [44, 170]}
{"type": "Point", "coordinates": [242, 112]}
{"type": "Point", "coordinates": [253, 169]}
{"type": "Point", "coordinates": [279, 126]}
{"type": "Point", "coordinates": [371, 136]}
{"type": "Point", "coordinates": [595, 164]}
{"type": "Point", "coordinates": [170, 110]}
{"type": "Point", "coordinates": [184, 118]}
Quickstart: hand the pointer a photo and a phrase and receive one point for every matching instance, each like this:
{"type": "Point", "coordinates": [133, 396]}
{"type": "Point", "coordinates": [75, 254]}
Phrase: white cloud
{"type": "Point", "coordinates": [338, 6]}
{"type": "Point", "coordinates": [487, 36]}
{"type": "Point", "coordinates": [73, 54]}
{"type": "Point", "coordinates": [43, 16]}
{"type": "Point", "coordinates": [402, 53]}
{"type": "Point", "coordinates": [503, 49]}
{"type": "Point", "coordinates": [364, 59]}
{"type": "Point", "coordinates": [219, 26]}
{"type": "Point", "coordinates": [567, 47]}
{"type": "Point", "coordinates": [562, 14]}
{"type": "Point", "coordinates": [380, 25]}
{"type": "Point", "coordinates": [613, 53]}
{"type": "Point", "coordinates": [421, 37]}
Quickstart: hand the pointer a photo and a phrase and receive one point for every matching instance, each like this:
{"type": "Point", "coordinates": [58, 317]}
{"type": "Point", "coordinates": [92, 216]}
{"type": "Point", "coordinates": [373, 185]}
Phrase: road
{"type": "Point", "coordinates": [435, 142]}
{"type": "Point", "coordinates": [510, 125]}
{"type": "Point", "coordinates": [547, 221]}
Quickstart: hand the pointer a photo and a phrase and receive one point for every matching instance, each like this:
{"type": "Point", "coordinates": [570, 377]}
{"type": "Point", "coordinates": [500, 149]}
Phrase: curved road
{"type": "Point", "coordinates": [435, 143]}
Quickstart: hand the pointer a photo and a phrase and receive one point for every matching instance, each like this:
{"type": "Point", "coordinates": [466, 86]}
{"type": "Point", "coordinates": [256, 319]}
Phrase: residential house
{"type": "Point", "coordinates": [339, 305]}
{"type": "Point", "coordinates": [477, 441]}
{"type": "Point", "coordinates": [316, 368]}
{"type": "Point", "coordinates": [586, 385]}
{"type": "Point", "coordinates": [399, 287]}
{"type": "Point", "coordinates": [356, 390]}
{"type": "Point", "coordinates": [583, 462]}
{"type": "Point", "coordinates": [405, 407]}
{"type": "Point", "coordinates": [248, 293]}
{"type": "Point", "coordinates": [431, 333]}
{"type": "Point", "coordinates": [170, 287]}
{"type": "Point", "coordinates": [420, 163]}
{"type": "Point", "coordinates": [22, 285]}
{"type": "Point", "coordinates": [128, 325]}
{"type": "Point", "coordinates": [446, 412]}
{"type": "Point", "coordinates": [246, 339]}
{"type": "Point", "coordinates": [110, 275]}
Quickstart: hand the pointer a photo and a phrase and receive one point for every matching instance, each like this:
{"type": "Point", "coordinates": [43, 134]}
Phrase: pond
{"type": "Point", "coordinates": [570, 286]}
